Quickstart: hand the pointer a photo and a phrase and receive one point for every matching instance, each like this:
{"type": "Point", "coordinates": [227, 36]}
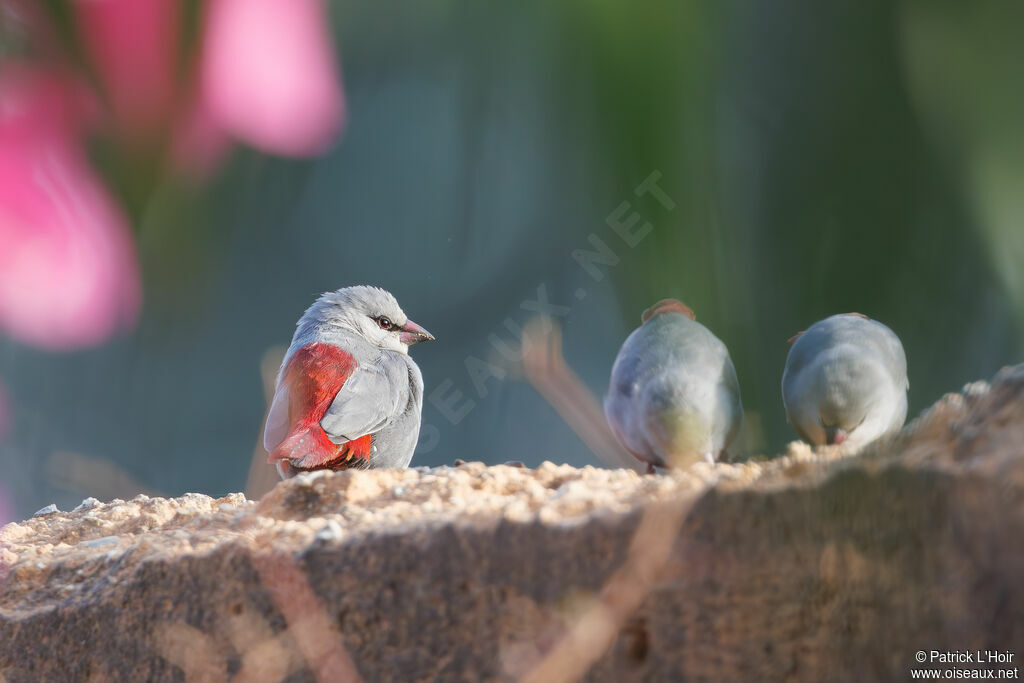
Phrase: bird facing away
{"type": "Point", "coordinates": [673, 397]}
{"type": "Point", "coordinates": [348, 395]}
{"type": "Point", "coordinates": [845, 382]}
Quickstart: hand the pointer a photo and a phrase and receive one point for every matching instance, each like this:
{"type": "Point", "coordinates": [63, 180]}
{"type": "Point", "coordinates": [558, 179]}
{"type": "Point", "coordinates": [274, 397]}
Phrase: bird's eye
{"type": "Point", "coordinates": [385, 323]}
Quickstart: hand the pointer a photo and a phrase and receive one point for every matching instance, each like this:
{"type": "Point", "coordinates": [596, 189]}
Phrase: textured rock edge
{"type": "Point", "coordinates": [810, 567]}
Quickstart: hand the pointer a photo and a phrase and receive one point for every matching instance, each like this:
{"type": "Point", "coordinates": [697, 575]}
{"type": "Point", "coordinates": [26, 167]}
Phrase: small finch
{"type": "Point", "coordinates": [673, 398]}
{"type": "Point", "coordinates": [348, 395]}
{"type": "Point", "coordinates": [845, 382]}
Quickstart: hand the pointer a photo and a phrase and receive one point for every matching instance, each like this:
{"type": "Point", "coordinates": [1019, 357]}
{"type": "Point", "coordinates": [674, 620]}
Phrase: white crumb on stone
{"type": "Point", "coordinates": [331, 531]}
{"type": "Point", "coordinates": [978, 388]}
{"type": "Point", "coordinates": [87, 504]}
{"type": "Point", "coordinates": [307, 478]}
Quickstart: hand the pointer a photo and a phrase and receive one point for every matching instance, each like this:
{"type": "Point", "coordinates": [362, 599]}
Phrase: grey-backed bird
{"type": "Point", "coordinates": [845, 382]}
{"type": "Point", "coordinates": [673, 397]}
{"type": "Point", "coordinates": [348, 395]}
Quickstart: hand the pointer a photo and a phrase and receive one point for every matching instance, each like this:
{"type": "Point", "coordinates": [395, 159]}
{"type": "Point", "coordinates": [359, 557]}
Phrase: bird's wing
{"type": "Point", "coordinates": [308, 382]}
{"type": "Point", "coordinates": [368, 400]}
{"type": "Point", "coordinates": [278, 420]}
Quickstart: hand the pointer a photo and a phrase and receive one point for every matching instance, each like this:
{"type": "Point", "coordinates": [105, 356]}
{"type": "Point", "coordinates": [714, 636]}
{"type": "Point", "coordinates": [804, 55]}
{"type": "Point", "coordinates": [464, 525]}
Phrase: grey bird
{"type": "Point", "coordinates": [673, 398]}
{"type": "Point", "coordinates": [348, 395]}
{"type": "Point", "coordinates": [845, 382]}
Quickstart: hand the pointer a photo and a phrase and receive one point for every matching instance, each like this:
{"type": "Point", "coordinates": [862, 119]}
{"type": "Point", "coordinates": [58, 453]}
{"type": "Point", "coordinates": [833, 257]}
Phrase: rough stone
{"type": "Point", "coordinates": [811, 566]}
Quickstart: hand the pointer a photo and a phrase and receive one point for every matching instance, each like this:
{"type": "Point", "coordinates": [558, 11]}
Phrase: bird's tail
{"type": "Point", "coordinates": [307, 446]}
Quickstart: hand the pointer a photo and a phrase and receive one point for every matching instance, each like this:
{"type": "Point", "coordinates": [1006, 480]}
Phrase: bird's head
{"type": "Point", "coordinates": [667, 306]}
{"type": "Point", "coordinates": [370, 312]}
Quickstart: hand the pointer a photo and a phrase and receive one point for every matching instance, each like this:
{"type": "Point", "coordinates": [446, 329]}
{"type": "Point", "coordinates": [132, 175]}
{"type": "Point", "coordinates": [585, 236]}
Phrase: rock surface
{"type": "Point", "coordinates": [812, 566]}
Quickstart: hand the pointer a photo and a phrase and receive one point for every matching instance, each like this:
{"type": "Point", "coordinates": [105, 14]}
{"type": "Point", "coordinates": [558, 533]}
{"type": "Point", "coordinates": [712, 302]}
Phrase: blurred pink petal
{"type": "Point", "coordinates": [68, 273]}
{"type": "Point", "coordinates": [269, 74]}
{"type": "Point", "coordinates": [32, 101]}
{"type": "Point", "coordinates": [199, 145]}
{"type": "Point", "coordinates": [134, 44]}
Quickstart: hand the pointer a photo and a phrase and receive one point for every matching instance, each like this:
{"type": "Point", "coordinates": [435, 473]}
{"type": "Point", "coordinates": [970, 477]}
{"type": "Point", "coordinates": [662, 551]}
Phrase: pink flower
{"type": "Point", "coordinates": [199, 144]}
{"type": "Point", "coordinates": [269, 75]}
{"type": "Point", "coordinates": [266, 75]}
{"type": "Point", "coordinates": [68, 274]}
{"type": "Point", "coordinates": [133, 46]}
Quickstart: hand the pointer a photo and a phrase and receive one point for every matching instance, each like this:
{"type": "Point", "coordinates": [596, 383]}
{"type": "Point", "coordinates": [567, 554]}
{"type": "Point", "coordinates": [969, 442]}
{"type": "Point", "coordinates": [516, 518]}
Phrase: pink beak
{"type": "Point", "coordinates": [414, 334]}
{"type": "Point", "coordinates": [835, 436]}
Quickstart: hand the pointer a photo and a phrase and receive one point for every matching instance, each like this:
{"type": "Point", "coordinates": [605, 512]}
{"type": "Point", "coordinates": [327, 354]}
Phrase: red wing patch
{"type": "Point", "coordinates": [794, 337]}
{"type": "Point", "coordinates": [314, 375]}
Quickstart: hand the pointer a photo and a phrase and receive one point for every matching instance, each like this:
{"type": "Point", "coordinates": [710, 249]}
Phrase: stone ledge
{"type": "Point", "coordinates": [811, 566]}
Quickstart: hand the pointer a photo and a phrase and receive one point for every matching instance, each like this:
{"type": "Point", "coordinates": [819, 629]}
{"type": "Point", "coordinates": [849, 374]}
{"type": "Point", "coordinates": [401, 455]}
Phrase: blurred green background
{"type": "Point", "coordinates": [822, 157]}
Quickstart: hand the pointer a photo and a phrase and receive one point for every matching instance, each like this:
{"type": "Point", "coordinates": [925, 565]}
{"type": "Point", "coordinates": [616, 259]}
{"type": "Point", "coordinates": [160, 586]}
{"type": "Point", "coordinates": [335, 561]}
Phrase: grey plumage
{"type": "Point", "coordinates": [384, 394]}
{"type": "Point", "coordinates": [673, 397]}
{"type": "Point", "coordinates": [846, 381]}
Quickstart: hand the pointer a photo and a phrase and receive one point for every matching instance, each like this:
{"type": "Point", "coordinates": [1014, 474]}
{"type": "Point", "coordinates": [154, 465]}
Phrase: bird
{"type": "Point", "coordinates": [845, 382]}
{"type": "Point", "coordinates": [673, 398]}
{"type": "Point", "coordinates": [347, 395]}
